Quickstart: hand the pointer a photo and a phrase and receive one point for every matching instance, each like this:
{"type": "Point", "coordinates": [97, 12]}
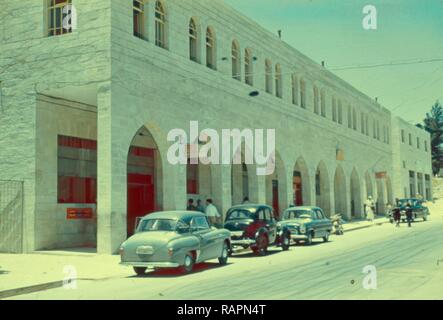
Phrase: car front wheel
{"type": "Point", "coordinates": [286, 241]}
{"type": "Point", "coordinates": [188, 263]}
{"type": "Point", "coordinates": [309, 239]}
{"type": "Point", "coordinates": [140, 270]}
{"type": "Point", "coordinates": [223, 259]}
{"type": "Point", "coordinates": [261, 247]}
{"type": "Point", "coordinates": [326, 237]}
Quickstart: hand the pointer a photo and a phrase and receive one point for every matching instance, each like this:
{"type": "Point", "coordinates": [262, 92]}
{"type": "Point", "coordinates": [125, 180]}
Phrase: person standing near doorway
{"type": "Point", "coordinates": [212, 212]}
{"type": "Point", "coordinates": [369, 208]}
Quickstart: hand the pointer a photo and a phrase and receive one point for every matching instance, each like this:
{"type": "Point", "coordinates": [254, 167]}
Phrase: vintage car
{"type": "Point", "coordinates": [419, 211]}
{"type": "Point", "coordinates": [306, 224]}
{"type": "Point", "coordinates": [174, 239]}
{"type": "Point", "coordinates": [255, 226]}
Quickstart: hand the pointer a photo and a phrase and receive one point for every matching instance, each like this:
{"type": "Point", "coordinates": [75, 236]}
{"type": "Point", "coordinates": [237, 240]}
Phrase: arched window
{"type": "Point", "coordinates": [303, 93]}
{"type": "Point", "coordinates": [294, 90]}
{"type": "Point", "coordinates": [316, 109]}
{"type": "Point", "coordinates": [268, 73]}
{"type": "Point", "coordinates": [210, 49]}
{"type": "Point", "coordinates": [57, 12]}
{"type": "Point", "coordinates": [323, 103]}
{"type": "Point", "coordinates": [334, 109]}
{"type": "Point", "coordinates": [236, 74]}
{"type": "Point", "coordinates": [160, 25]}
{"type": "Point", "coordinates": [193, 41]}
{"type": "Point", "coordinates": [278, 81]}
{"type": "Point", "coordinates": [249, 77]}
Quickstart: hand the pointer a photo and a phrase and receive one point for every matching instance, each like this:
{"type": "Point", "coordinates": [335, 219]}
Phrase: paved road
{"type": "Point", "coordinates": [408, 261]}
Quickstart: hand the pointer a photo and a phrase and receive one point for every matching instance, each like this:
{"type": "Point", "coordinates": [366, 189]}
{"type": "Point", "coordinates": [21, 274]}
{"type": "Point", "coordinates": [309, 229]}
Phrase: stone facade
{"type": "Point", "coordinates": [101, 82]}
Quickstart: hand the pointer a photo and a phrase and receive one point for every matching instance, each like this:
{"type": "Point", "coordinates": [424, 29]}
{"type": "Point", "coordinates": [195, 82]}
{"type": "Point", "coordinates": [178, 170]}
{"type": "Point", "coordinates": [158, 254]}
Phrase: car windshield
{"type": "Point", "coordinates": [297, 214]}
{"type": "Point", "coordinates": [404, 202]}
{"type": "Point", "coordinates": [239, 214]}
{"type": "Point", "coordinates": [158, 225]}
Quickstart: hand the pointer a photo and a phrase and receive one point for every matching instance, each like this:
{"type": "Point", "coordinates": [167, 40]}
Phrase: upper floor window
{"type": "Point", "coordinates": [210, 49]}
{"type": "Point", "coordinates": [367, 125]}
{"type": "Point", "coordinates": [323, 103]}
{"type": "Point", "coordinates": [249, 77]}
{"type": "Point", "coordinates": [403, 136]}
{"type": "Point", "coordinates": [418, 143]}
{"type": "Point", "coordinates": [426, 146]}
{"type": "Point", "coordinates": [362, 122]}
{"type": "Point", "coordinates": [334, 109]}
{"type": "Point", "coordinates": [410, 139]}
{"type": "Point", "coordinates": [58, 11]}
{"type": "Point", "coordinates": [278, 81]}
{"type": "Point", "coordinates": [160, 25]}
{"type": "Point", "coordinates": [340, 112]}
{"type": "Point", "coordinates": [294, 89]}
{"type": "Point", "coordinates": [193, 41]}
{"type": "Point", "coordinates": [236, 74]}
{"type": "Point", "coordinates": [303, 93]}
{"type": "Point", "coordinates": [349, 117]}
{"type": "Point", "coordinates": [354, 119]}
{"type": "Point", "coordinates": [268, 74]}
{"type": "Point", "coordinates": [316, 104]}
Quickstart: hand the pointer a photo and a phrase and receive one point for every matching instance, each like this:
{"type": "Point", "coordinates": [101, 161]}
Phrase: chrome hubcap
{"type": "Point", "coordinates": [188, 261]}
{"type": "Point", "coordinates": [225, 252]}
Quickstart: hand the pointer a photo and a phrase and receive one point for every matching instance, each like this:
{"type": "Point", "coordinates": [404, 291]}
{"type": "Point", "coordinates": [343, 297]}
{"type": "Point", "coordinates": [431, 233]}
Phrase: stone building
{"type": "Point", "coordinates": [86, 109]}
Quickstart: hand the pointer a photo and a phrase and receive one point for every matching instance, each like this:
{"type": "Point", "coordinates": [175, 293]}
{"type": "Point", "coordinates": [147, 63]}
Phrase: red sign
{"type": "Point", "coordinates": [79, 213]}
{"type": "Point", "coordinates": [380, 175]}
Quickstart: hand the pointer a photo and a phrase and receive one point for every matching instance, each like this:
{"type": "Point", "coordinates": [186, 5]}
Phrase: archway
{"type": "Point", "coordinates": [356, 201]}
{"type": "Point", "coordinates": [144, 178]}
{"type": "Point", "coordinates": [340, 192]}
{"type": "Point", "coordinates": [322, 189]}
{"type": "Point", "coordinates": [276, 186]}
{"type": "Point", "coordinates": [301, 183]}
{"type": "Point", "coordinates": [198, 181]}
{"type": "Point", "coordinates": [380, 203]}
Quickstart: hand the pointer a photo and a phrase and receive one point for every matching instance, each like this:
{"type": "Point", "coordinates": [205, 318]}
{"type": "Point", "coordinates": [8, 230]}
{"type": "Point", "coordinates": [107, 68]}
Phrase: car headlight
{"type": "Point", "coordinates": [302, 229]}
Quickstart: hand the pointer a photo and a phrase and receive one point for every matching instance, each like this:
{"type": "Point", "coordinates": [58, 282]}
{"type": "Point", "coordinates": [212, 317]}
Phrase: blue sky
{"type": "Point", "coordinates": [331, 30]}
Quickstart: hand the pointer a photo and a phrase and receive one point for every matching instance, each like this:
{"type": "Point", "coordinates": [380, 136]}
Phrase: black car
{"type": "Point", "coordinates": [255, 226]}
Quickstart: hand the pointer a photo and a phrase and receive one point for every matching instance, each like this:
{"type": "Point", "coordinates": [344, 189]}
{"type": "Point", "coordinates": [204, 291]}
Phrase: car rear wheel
{"type": "Point", "coordinates": [223, 259]}
{"type": "Point", "coordinates": [261, 247]}
{"type": "Point", "coordinates": [286, 241]}
{"type": "Point", "coordinates": [188, 263]}
{"type": "Point", "coordinates": [326, 237]}
{"type": "Point", "coordinates": [140, 270]}
{"type": "Point", "coordinates": [308, 241]}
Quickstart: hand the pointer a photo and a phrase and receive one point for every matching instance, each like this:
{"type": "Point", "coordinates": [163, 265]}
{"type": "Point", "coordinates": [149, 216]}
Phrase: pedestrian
{"type": "Point", "coordinates": [409, 214]}
{"type": "Point", "coordinates": [388, 209]}
{"type": "Point", "coordinates": [245, 200]}
{"type": "Point", "coordinates": [212, 212]}
{"type": "Point", "coordinates": [369, 208]}
{"type": "Point", "coordinates": [200, 207]}
{"type": "Point", "coordinates": [396, 214]}
{"type": "Point", "coordinates": [191, 206]}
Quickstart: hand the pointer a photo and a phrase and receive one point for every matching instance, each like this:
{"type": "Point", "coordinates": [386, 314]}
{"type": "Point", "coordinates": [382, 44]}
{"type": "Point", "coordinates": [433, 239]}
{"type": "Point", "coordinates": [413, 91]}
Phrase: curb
{"type": "Point", "coordinates": [366, 226]}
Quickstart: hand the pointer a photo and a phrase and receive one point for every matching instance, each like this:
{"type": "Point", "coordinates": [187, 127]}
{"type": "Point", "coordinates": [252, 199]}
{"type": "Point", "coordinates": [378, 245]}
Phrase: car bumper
{"type": "Point", "coordinates": [299, 237]}
{"type": "Point", "coordinates": [242, 242]}
{"type": "Point", "coordinates": [150, 265]}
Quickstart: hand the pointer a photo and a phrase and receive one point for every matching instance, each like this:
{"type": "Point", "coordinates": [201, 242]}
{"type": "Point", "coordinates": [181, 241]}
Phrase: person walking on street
{"type": "Point", "coordinates": [212, 212]}
{"type": "Point", "coordinates": [409, 214]}
{"type": "Point", "coordinates": [191, 206]}
{"type": "Point", "coordinates": [369, 205]}
{"type": "Point", "coordinates": [200, 207]}
{"type": "Point", "coordinates": [396, 214]}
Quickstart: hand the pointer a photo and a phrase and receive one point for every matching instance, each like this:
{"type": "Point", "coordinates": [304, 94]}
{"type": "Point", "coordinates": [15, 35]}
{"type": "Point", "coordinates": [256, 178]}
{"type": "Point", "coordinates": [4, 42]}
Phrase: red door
{"type": "Point", "coordinates": [297, 187]}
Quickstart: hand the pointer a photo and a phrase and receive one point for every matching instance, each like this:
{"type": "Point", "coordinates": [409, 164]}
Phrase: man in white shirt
{"type": "Point", "coordinates": [212, 212]}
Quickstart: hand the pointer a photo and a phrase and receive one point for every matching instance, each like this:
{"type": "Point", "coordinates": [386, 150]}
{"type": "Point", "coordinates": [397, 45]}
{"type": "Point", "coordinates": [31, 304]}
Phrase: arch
{"type": "Point", "coordinates": [194, 40]}
{"type": "Point", "coordinates": [268, 74]}
{"type": "Point", "coordinates": [236, 60]}
{"type": "Point", "coordinates": [160, 25]}
{"type": "Point", "coordinates": [301, 183]}
{"type": "Point", "coordinates": [356, 200]}
{"type": "Point", "coordinates": [340, 191]}
{"type": "Point", "coordinates": [276, 186]}
{"type": "Point", "coordinates": [322, 188]}
{"type": "Point", "coordinates": [211, 56]}
{"type": "Point", "coordinates": [278, 81]}
{"type": "Point", "coordinates": [249, 67]}
{"type": "Point", "coordinates": [144, 178]}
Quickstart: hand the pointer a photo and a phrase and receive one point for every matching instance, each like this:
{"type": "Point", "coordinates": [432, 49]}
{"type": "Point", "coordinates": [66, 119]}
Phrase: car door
{"type": "Point", "coordinates": [271, 224]}
{"type": "Point", "coordinates": [324, 224]}
{"type": "Point", "coordinates": [200, 228]}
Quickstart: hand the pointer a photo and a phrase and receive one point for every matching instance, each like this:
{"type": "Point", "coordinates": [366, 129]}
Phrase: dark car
{"type": "Point", "coordinates": [419, 211]}
{"type": "Point", "coordinates": [306, 224]}
{"type": "Point", "coordinates": [255, 226]}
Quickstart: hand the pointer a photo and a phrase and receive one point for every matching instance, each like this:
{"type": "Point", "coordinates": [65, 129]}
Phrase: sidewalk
{"type": "Point", "coordinates": [42, 270]}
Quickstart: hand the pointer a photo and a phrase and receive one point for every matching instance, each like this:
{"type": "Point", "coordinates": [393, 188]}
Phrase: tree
{"type": "Point", "coordinates": [433, 123]}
